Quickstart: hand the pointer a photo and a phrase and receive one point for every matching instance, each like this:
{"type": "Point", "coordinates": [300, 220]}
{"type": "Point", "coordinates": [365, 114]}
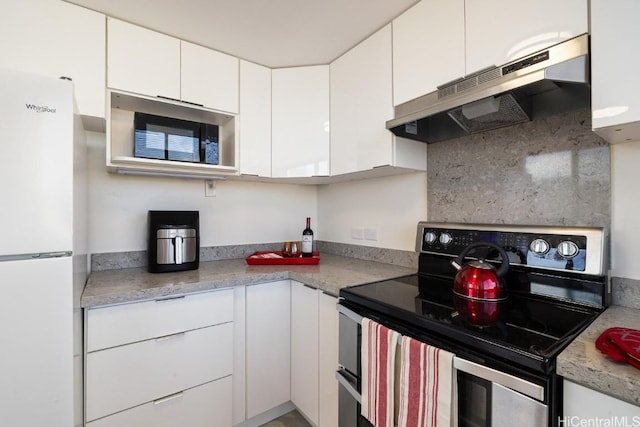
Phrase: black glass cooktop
{"type": "Point", "coordinates": [530, 329]}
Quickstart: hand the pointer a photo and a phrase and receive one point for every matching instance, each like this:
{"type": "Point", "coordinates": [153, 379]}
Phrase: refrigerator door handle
{"type": "Point", "coordinates": [20, 257]}
{"type": "Point", "coordinates": [54, 254]}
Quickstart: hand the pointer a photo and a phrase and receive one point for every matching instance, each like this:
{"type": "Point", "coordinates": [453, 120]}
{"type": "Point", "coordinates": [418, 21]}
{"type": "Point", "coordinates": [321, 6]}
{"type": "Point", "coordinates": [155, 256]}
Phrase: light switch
{"type": "Point", "coordinates": [371, 234]}
{"type": "Point", "coordinates": [357, 233]}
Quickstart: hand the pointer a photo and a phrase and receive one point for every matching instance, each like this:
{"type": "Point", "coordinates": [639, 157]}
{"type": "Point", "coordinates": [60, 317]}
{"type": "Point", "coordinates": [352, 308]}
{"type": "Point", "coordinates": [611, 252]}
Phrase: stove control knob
{"type": "Point", "coordinates": [446, 238]}
{"type": "Point", "coordinates": [567, 249]}
{"type": "Point", "coordinates": [539, 247]}
{"type": "Point", "coordinates": [430, 237]}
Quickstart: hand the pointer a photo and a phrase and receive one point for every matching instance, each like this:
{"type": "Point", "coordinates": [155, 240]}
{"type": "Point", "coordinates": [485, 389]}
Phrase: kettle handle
{"type": "Point", "coordinates": [504, 267]}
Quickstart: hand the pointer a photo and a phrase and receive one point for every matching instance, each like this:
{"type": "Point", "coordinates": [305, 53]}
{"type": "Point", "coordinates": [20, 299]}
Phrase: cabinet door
{"type": "Point", "coordinates": [304, 350]}
{"type": "Point", "coordinates": [142, 61]}
{"type": "Point", "coordinates": [55, 38]}
{"type": "Point", "coordinates": [209, 78]}
{"type": "Point", "coordinates": [499, 31]}
{"type": "Point", "coordinates": [127, 323]}
{"type": "Point", "coordinates": [300, 122]}
{"type": "Point", "coordinates": [203, 406]}
{"type": "Point", "coordinates": [123, 377]}
{"type": "Point", "coordinates": [255, 119]}
{"type": "Point", "coordinates": [583, 403]}
{"type": "Point", "coordinates": [360, 105]}
{"type": "Point", "coordinates": [428, 48]}
{"type": "Point", "coordinates": [328, 361]}
{"type": "Point", "coordinates": [614, 33]}
{"type": "Point", "coordinates": [268, 346]}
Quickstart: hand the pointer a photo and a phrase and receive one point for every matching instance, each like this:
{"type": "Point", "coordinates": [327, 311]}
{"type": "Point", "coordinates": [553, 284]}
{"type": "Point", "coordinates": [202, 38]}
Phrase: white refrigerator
{"type": "Point", "coordinates": [43, 251]}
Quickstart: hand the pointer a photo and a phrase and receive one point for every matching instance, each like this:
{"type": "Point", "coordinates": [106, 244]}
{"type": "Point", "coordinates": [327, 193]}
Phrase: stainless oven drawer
{"type": "Point", "coordinates": [349, 341]}
{"type": "Point", "coordinates": [349, 402]}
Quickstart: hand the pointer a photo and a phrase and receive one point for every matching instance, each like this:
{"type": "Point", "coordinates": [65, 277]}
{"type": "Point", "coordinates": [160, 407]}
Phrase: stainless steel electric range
{"type": "Point", "coordinates": [505, 368]}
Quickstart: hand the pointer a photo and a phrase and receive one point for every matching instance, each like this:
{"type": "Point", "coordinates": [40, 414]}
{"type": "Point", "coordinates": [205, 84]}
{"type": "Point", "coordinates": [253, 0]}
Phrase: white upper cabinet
{"type": "Point", "coordinates": [437, 41]}
{"type": "Point", "coordinates": [499, 31]}
{"type": "Point", "coordinates": [142, 61]}
{"type": "Point", "coordinates": [428, 48]}
{"type": "Point", "coordinates": [360, 105]}
{"type": "Point", "coordinates": [55, 38]}
{"type": "Point", "coordinates": [614, 97]}
{"type": "Point", "coordinates": [255, 119]}
{"type": "Point", "coordinates": [151, 63]}
{"type": "Point", "coordinates": [300, 121]}
{"type": "Point", "coordinates": [209, 78]}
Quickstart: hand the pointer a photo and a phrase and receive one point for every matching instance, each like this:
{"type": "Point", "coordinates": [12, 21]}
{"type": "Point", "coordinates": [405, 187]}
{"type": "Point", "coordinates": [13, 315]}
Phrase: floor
{"type": "Point", "coordinates": [290, 419]}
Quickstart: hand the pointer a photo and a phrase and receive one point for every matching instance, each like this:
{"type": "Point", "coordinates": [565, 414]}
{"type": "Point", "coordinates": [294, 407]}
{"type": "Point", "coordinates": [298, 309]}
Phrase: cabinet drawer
{"type": "Point", "coordinates": [128, 323]}
{"type": "Point", "coordinates": [123, 377]}
{"type": "Point", "coordinates": [207, 405]}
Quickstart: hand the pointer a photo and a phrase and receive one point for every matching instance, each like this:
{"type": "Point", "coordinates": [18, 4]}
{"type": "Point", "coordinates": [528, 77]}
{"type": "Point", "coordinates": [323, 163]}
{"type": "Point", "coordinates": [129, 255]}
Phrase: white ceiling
{"type": "Point", "coordinates": [275, 33]}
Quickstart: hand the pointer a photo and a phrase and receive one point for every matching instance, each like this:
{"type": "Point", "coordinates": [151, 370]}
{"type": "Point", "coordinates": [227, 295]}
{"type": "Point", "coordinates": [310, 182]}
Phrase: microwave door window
{"type": "Point", "coordinates": [149, 144]}
{"type": "Point", "coordinates": [183, 148]}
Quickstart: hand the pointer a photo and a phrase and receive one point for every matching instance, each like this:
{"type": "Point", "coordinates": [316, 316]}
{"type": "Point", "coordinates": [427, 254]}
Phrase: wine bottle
{"type": "Point", "coordinates": [307, 240]}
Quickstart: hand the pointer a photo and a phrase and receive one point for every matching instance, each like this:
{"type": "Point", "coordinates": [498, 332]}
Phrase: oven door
{"type": "Point", "coordinates": [484, 397]}
{"type": "Point", "coordinates": [490, 398]}
{"type": "Point", "coordinates": [348, 374]}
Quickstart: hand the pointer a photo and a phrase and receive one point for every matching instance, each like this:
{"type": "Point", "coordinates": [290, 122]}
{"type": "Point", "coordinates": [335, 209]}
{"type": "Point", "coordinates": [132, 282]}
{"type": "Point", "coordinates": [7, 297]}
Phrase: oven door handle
{"type": "Point", "coordinates": [509, 381]}
{"type": "Point", "coordinates": [343, 379]}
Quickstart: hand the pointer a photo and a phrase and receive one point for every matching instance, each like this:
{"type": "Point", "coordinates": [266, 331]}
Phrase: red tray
{"type": "Point", "coordinates": [276, 258]}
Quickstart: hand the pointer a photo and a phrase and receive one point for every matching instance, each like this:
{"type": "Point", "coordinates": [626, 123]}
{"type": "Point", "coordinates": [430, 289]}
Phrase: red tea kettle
{"type": "Point", "coordinates": [478, 287]}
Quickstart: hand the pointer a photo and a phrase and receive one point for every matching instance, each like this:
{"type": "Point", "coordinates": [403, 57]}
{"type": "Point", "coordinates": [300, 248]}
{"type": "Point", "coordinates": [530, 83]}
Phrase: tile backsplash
{"type": "Point", "coordinates": [550, 171]}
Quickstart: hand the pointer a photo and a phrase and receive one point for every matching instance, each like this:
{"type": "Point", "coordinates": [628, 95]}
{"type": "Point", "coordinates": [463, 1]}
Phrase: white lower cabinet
{"type": "Point", "coordinates": [314, 354]}
{"type": "Point", "coordinates": [129, 323]}
{"type": "Point", "coordinates": [327, 361]}
{"type": "Point", "coordinates": [179, 356]}
{"type": "Point", "coordinates": [171, 362]}
{"type": "Point", "coordinates": [203, 406]}
{"type": "Point", "coordinates": [583, 406]}
{"type": "Point", "coordinates": [267, 346]}
{"type": "Point", "coordinates": [304, 350]}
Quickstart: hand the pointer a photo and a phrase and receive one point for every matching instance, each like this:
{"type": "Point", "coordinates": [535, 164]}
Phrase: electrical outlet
{"type": "Point", "coordinates": [209, 188]}
{"type": "Point", "coordinates": [357, 233]}
{"type": "Point", "coordinates": [371, 233]}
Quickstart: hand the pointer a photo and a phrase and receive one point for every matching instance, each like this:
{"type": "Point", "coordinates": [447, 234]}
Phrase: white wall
{"type": "Point", "coordinates": [241, 212]}
{"type": "Point", "coordinates": [392, 205]}
{"type": "Point", "coordinates": [625, 209]}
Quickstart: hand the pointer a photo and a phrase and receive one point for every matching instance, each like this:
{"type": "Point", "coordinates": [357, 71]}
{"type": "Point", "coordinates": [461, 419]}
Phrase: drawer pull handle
{"type": "Point", "coordinates": [170, 299]}
{"type": "Point", "coordinates": [168, 337]}
{"type": "Point", "coordinates": [168, 398]}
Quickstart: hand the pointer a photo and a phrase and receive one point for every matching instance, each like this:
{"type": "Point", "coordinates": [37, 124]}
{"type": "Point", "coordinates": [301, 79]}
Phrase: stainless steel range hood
{"type": "Point", "coordinates": [547, 82]}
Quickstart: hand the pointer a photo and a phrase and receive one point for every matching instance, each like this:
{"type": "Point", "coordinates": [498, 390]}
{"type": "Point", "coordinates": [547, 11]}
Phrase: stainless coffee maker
{"type": "Point", "coordinates": [174, 241]}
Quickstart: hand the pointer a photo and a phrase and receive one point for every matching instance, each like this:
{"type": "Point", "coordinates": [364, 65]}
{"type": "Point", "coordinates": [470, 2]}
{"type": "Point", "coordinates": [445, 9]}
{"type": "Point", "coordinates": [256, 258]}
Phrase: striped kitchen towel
{"type": "Point", "coordinates": [426, 385]}
{"type": "Point", "coordinates": [378, 357]}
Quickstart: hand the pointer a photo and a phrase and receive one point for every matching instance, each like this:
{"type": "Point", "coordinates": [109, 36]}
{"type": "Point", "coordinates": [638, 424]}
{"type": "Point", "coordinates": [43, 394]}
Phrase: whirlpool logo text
{"type": "Point", "coordinates": [40, 108]}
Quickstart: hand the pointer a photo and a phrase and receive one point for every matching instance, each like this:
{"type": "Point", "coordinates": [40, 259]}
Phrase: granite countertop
{"type": "Point", "coordinates": [582, 363]}
{"type": "Point", "coordinates": [135, 284]}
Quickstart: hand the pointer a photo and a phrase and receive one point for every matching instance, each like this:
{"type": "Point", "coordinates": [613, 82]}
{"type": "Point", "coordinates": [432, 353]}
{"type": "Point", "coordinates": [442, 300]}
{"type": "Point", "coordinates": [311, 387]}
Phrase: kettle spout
{"type": "Point", "coordinates": [455, 263]}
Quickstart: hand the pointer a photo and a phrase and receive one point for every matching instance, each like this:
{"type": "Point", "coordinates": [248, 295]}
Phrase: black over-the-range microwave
{"type": "Point", "coordinates": [167, 138]}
